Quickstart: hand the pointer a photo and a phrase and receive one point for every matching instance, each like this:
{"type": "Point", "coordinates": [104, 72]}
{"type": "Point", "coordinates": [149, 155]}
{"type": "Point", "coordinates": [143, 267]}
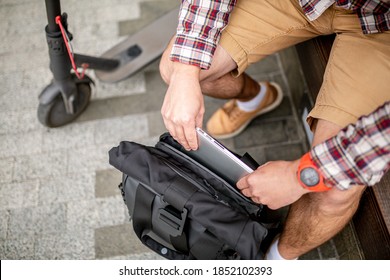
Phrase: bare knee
{"type": "Point", "coordinates": [338, 203]}
{"type": "Point", "coordinates": [222, 64]}
{"type": "Point", "coordinates": [165, 68]}
{"type": "Point", "coordinates": [165, 65]}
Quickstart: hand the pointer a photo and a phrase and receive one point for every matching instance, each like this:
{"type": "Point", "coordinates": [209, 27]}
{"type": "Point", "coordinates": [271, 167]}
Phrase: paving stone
{"type": "Point", "coordinates": [112, 211]}
{"type": "Point", "coordinates": [67, 188]}
{"type": "Point", "coordinates": [284, 152]}
{"type": "Point", "coordinates": [20, 122]}
{"type": "Point", "coordinates": [117, 240]}
{"type": "Point", "coordinates": [82, 215]}
{"type": "Point", "coordinates": [6, 169]}
{"type": "Point", "coordinates": [29, 87]}
{"type": "Point", "coordinates": [155, 86]}
{"type": "Point", "coordinates": [156, 123]}
{"type": "Point", "coordinates": [142, 256]}
{"type": "Point", "coordinates": [17, 2]}
{"type": "Point", "coordinates": [104, 11]}
{"type": "Point", "coordinates": [267, 65]}
{"type": "Point", "coordinates": [8, 120]}
{"type": "Point", "coordinates": [89, 158]}
{"type": "Point", "coordinates": [78, 245]}
{"type": "Point", "coordinates": [21, 144]}
{"type": "Point", "coordinates": [296, 83]}
{"type": "Point", "coordinates": [153, 67]}
{"type": "Point", "coordinates": [4, 217]}
{"type": "Point", "coordinates": [347, 244]}
{"type": "Point", "coordinates": [134, 104]}
{"type": "Point", "coordinates": [131, 86]}
{"type": "Point", "coordinates": [49, 219]}
{"type": "Point", "coordinates": [261, 134]}
{"type": "Point", "coordinates": [328, 251]}
{"type": "Point", "coordinates": [14, 60]}
{"type": "Point", "coordinates": [74, 135]}
{"type": "Point", "coordinates": [26, 224]}
{"type": "Point", "coordinates": [3, 248]}
{"type": "Point", "coordinates": [19, 195]}
{"type": "Point", "coordinates": [40, 165]}
{"type": "Point", "coordinates": [115, 130]}
{"type": "Point", "coordinates": [211, 105]}
{"type": "Point", "coordinates": [312, 255]}
{"type": "Point", "coordinates": [107, 182]}
{"type": "Point", "coordinates": [16, 18]}
{"type": "Point", "coordinates": [281, 112]}
{"type": "Point", "coordinates": [18, 43]}
{"type": "Point", "coordinates": [291, 130]}
{"type": "Point", "coordinates": [17, 249]}
{"type": "Point", "coordinates": [21, 223]}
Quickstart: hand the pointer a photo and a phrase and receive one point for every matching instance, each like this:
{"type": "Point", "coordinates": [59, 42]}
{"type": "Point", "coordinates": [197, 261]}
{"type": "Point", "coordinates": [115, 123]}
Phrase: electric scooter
{"type": "Point", "coordinates": [69, 93]}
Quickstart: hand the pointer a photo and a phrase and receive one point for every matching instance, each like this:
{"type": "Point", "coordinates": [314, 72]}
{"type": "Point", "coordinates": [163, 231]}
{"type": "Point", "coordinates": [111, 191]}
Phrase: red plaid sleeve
{"type": "Point", "coordinates": [374, 15]}
{"type": "Point", "coordinates": [199, 30]}
{"type": "Point", "coordinates": [359, 154]}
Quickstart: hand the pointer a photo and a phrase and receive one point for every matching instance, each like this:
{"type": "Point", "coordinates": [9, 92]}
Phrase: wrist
{"type": "Point", "coordinates": [185, 70]}
{"type": "Point", "coordinates": [309, 176]}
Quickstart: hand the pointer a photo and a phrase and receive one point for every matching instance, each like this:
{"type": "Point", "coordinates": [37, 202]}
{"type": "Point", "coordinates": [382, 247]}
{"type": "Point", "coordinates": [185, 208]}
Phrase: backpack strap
{"type": "Point", "coordinates": [142, 219]}
{"type": "Point", "coordinates": [179, 192]}
{"type": "Point", "coordinates": [142, 222]}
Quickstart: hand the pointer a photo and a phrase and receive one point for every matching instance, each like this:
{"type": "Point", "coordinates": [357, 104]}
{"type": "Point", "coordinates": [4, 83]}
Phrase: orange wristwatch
{"type": "Point", "coordinates": [309, 176]}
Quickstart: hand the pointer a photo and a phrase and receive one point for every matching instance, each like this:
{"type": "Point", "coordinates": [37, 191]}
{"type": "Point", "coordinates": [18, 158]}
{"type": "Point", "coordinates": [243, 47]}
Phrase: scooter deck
{"type": "Point", "coordinates": [140, 49]}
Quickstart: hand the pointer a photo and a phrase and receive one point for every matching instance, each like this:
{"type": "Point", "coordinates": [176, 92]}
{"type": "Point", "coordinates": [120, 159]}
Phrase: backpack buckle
{"type": "Point", "coordinates": [172, 220]}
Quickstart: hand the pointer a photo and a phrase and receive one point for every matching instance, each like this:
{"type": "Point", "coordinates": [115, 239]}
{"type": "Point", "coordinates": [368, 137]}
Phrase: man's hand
{"type": "Point", "coordinates": [183, 106]}
{"type": "Point", "coordinates": [274, 184]}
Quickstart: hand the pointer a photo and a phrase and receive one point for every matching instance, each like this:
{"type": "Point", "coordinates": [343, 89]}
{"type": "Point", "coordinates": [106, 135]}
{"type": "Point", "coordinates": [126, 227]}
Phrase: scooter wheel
{"type": "Point", "coordinates": [54, 113]}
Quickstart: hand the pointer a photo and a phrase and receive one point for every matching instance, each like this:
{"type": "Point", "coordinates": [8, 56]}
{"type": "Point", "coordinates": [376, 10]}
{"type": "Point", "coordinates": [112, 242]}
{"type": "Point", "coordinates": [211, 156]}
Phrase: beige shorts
{"type": "Point", "coordinates": [357, 76]}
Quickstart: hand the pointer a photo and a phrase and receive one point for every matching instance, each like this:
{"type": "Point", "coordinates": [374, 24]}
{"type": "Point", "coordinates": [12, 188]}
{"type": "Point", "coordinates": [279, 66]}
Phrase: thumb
{"type": "Point", "coordinates": [242, 183]}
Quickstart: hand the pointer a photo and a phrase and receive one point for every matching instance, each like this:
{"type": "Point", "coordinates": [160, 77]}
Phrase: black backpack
{"type": "Point", "coordinates": [182, 210]}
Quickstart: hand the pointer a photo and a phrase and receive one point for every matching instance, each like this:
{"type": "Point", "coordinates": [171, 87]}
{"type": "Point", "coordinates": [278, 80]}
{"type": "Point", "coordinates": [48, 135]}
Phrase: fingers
{"type": "Point", "coordinates": [191, 138]}
{"type": "Point", "coordinates": [247, 186]}
{"type": "Point", "coordinates": [181, 125]}
{"type": "Point", "coordinates": [184, 134]}
{"type": "Point", "coordinates": [244, 186]}
{"type": "Point", "coordinates": [248, 190]}
{"type": "Point", "coordinates": [181, 114]}
{"type": "Point", "coordinates": [242, 183]}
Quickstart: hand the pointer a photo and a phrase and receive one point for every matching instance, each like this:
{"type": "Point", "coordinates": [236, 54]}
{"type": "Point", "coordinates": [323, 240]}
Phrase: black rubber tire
{"type": "Point", "coordinates": [54, 113]}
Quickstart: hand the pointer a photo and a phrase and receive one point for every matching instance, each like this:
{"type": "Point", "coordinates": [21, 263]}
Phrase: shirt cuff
{"type": "Point", "coordinates": [333, 175]}
{"type": "Point", "coordinates": [193, 51]}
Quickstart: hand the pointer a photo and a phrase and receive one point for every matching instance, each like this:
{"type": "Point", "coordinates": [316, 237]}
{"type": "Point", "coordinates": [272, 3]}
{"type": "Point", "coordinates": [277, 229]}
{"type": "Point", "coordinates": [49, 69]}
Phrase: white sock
{"type": "Point", "coordinates": [252, 104]}
{"type": "Point", "coordinates": [273, 251]}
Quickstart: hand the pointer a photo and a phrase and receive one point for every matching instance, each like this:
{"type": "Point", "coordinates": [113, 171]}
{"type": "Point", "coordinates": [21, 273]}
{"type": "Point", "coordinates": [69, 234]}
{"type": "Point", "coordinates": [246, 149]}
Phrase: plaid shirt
{"type": "Point", "coordinates": [202, 21]}
{"type": "Point", "coordinates": [359, 154]}
{"type": "Point", "coordinates": [374, 15]}
{"type": "Point", "coordinates": [200, 25]}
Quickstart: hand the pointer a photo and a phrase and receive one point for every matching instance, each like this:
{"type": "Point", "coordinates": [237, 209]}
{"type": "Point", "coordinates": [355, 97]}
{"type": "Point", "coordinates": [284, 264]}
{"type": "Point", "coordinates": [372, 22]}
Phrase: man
{"type": "Point", "coordinates": [358, 155]}
{"type": "Point", "coordinates": [200, 61]}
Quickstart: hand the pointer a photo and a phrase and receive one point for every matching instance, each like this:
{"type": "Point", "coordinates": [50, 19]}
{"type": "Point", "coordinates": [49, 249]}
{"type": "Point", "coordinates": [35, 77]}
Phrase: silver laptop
{"type": "Point", "coordinates": [218, 158]}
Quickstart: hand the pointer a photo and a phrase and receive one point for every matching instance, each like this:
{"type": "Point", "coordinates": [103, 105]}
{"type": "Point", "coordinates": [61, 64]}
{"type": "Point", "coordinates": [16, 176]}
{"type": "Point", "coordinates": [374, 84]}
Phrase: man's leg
{"type": "Point", "coordinates": [355, 84]}
{"type": "Point", "coordinates": [217, 81]}
{"type": "Point", "coordinates": [317, 217]}
{"type": "Point", "coordinates": [242, 46]}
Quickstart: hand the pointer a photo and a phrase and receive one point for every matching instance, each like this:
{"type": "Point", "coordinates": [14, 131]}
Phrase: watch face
{"type": "Point", "coordinates": [309, 177]}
